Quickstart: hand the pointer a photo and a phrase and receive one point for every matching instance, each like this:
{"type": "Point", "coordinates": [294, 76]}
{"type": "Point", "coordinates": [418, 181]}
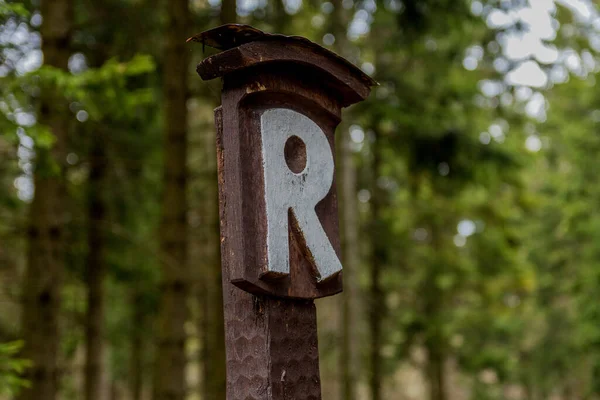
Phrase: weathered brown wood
{"type": "Point", "coordinates": [272, 347]}
{"type": "Point", "coordinates": [332, 74]}
{"type": "Point", "coordinates": [270, 325]}
{"type": "Point", "coordinates": [230, 36]}
{"type": "Point", "coordinates": [244, 231]}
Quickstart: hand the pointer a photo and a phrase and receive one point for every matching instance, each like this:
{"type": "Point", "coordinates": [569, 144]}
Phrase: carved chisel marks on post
{"type": "Point", "coordinates": [299, 192]}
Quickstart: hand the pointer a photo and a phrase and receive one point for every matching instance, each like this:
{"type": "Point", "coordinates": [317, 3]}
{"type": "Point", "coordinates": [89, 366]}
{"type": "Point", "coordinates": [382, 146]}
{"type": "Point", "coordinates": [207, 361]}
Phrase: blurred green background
{"type": "Point", "coordinates": [467, 182]}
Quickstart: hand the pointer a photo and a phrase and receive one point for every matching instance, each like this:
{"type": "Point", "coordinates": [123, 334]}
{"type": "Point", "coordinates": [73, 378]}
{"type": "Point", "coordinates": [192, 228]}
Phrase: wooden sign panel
{"type": "Point", "coordinates": [286, 220]}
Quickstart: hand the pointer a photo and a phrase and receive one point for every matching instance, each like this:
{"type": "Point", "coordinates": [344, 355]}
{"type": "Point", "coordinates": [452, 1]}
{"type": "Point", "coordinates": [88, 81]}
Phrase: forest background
{"type": "Point", "coordinates": [467, 183]}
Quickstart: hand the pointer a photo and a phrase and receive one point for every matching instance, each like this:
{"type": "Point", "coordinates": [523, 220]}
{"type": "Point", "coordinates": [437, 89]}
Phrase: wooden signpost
{"type": "Point", "coordinates": [281, 102]}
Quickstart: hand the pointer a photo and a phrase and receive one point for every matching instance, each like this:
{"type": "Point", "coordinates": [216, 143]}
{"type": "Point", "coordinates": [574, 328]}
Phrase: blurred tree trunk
{"type": "Point", "coordinates": [228, 12]}
{"type": "Point", "coordinates": [45, 258]}
{"type": "Point", "coordinates": [433, 302]}
{"type": "Point", "coordinates": [349, 233]}
{"type": "Point", "coordinates": [350, 254]}
{"type": "Point", "coordinates": [96, 271]}
{"type": "Point", "coordinates": [436, 374]}
{"type": "Point", "coordinates": [96, 388]}
{"type": "Point", "coordinates": [213, 329]}
{"type": "Point", "coordinates": [136, 368]}
{"type": "Point", "coordinates": [212, 324]}
{"type": "Point", "coordinates": [279, 19]}
{"type": "Point", "coordinates": [376, 300]}
{"type": "Point", "coordinates": [170, 363]}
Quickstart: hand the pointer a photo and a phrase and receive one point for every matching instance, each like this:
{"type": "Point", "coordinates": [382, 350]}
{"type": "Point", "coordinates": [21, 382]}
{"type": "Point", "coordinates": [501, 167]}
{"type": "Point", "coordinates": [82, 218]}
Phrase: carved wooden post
{"type": "Point", "coordinates": [281, 102]}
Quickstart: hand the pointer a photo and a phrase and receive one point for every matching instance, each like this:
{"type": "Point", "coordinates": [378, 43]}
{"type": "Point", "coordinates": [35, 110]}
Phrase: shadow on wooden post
{"type": "Point", "coordinates": [281, 102]}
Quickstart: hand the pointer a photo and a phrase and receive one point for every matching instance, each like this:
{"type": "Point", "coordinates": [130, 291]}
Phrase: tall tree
{"type": "Point", "coordinates": [170, 363]}
{"type": "Point", "coordinates": [96, 270]}
{"type": "Point", "coordinates": [45, 258]}
{"type": "Point", "coordinates": [348, 361]}
{"type": "Point", "coordinates": [96, 265]}
{"type": "Point", "coordinates": [228, 14]}
{"type": "Point", "coordinates": [376, 263]}
{"type": "Point", "coordinates": [136, 368]}
{"type": "Point", "coordinates": [213, 328]}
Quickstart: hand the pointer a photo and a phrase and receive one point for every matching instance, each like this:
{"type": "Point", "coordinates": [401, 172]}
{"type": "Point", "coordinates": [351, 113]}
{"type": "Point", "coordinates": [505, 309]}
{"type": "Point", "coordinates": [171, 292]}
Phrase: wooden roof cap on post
{"type": "Point", "coordinates": [244, 47]}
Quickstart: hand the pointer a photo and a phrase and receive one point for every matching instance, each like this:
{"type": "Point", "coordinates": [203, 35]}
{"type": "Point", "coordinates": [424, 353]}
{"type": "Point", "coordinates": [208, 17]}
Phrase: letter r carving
{"type": "Point", "coordinates": [300, 192]}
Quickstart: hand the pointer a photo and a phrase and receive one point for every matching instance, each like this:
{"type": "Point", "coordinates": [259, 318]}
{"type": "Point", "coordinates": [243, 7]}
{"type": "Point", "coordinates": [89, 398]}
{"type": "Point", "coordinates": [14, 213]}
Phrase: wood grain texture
{"type": "Point", "coordinates": [272, 350]}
